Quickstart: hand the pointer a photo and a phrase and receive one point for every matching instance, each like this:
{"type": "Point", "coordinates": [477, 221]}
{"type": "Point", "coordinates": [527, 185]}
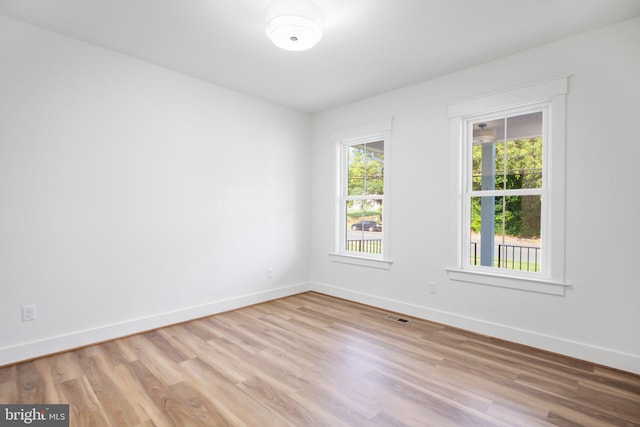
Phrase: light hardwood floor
{"type": "Point", "coordinates": [314, 360]}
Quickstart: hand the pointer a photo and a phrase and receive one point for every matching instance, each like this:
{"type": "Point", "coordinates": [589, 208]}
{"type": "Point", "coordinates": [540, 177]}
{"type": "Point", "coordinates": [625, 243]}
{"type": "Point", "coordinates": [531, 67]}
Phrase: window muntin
{"type": "Point", "coordinates": [504, 194]}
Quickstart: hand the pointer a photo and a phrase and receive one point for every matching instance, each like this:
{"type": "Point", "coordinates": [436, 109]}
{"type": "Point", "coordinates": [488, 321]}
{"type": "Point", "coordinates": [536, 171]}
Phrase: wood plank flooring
{"type": "Point", "coordinates": [314, 360]}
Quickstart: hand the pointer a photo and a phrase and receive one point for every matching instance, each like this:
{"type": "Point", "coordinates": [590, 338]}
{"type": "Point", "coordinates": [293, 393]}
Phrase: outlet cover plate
{"type": "Point", "coordinates": [28, 313]}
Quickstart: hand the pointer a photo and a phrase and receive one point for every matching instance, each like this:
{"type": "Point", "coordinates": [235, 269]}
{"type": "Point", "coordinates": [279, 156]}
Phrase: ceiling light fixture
{"type": "Point", "coordinates": [294, 24]}
{"type": "Point", "coordinates": [483, 135]}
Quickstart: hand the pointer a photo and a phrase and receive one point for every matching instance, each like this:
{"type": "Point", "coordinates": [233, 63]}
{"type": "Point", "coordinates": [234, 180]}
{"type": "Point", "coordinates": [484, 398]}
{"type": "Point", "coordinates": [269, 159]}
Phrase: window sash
{"type": "Point", "coordinates": [500, 193]}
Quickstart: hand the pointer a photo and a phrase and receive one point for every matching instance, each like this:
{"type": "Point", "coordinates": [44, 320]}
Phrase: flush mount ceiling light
{"type": "Point", "coordinates": [294, 24]}
{"type": "Point", "coordinates": [483, 135]}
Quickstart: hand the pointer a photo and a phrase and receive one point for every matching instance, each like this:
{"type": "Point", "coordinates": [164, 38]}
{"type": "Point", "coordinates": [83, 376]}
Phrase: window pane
{"type": "Point", "coordinates": [365, 169]}
{"type": "Point", "coordinates": [364, 226]}
{"type": "Point", "coordinates": [355, 170]}
{"type": "Point", "coordinates": [514, 162]}
{"type": "Point", "coordinates": [505, 232]}
{"type": "Point", "coordinates": [488, 166]}
{"type": "Point", "coordinates": [486, 137]}
{"type": "Point", "coordinates": [374, 168]}
{"type": "Point", "coordinates": [523, 164]}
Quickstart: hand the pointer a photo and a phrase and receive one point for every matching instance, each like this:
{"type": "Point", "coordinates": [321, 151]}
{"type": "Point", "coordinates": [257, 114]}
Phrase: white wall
{"type": "Point", "coordinates": [132, 196]}
{"type": "Point", "coordinates": [599, 317]}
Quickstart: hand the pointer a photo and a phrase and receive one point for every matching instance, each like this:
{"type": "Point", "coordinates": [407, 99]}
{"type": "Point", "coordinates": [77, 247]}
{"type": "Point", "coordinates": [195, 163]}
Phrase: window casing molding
{"type": "Point", "coordinates": [370, 133]}
{"type": "Point", "coordinates": [550, 96]}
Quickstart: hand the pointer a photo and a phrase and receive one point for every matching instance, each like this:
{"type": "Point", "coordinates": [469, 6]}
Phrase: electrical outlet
{"type": "Point", "coordinates": [433, 288]}
{"type": "Point", "coordinates": [269, 272]}
{"type": "Point", "coordinates": [28, 313]}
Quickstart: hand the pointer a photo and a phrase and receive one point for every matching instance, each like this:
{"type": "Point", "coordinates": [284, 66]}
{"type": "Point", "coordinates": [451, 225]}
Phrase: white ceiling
{"type": "Point", "coordinates": [369, 46]}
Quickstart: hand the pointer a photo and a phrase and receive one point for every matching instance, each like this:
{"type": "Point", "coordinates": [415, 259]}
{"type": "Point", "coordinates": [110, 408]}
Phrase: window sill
{"type": "Point", "coordinates": [512, 282]}
{"type": "Point", "coordinates": [380, 263]}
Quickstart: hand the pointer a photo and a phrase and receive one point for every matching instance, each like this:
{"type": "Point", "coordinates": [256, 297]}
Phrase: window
{"type": "Point", "coordinates": [363, 197]}
{"type": "Point", "coordinates": [510, 199]}
{"type": "Point", "coordinates": [504, 191]}
{"type": "Point", "coordinates": [361, 235]}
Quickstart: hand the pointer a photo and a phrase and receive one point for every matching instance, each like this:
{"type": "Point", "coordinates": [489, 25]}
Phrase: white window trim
{"type": "Point", "coordinates": [370, 132]}
{"type": "Point", "coordinates": [467, 193]}
{"type": "Point", "coordinates": [553, 92]}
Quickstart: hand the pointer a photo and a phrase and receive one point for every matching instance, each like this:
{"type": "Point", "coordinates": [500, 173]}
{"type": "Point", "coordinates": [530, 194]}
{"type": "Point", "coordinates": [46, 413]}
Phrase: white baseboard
{"type": "Point", "coordinates": [29, 350]}
{"type": "Point", "coordinates": [604, 356]}
{"type": "Point", "coordinates": [600, 355]}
